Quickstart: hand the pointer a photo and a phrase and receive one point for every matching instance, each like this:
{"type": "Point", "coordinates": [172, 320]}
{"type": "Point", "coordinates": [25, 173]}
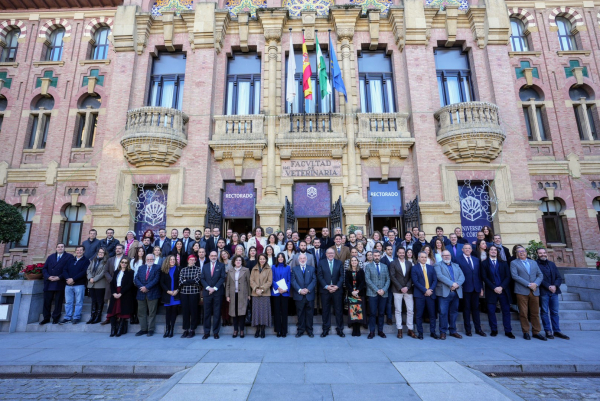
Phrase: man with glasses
{"type": "Point", "coordinates": [146, 280]}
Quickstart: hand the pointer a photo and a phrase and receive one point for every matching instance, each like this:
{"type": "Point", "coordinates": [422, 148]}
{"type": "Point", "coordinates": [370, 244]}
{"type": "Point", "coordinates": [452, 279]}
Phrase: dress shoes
{"type": "Point", "coordinates": [399, 333]}
{"type": "Point", "coordinates": [494, 333]}
{"type": "Point", "coordinates": [412, 334]}
{"type": "Point", "coordinates": [185, 334]}
{"type": "Point", "coordinates": [442, 336]}
{"type": "Point", "coordinates": [341, 333]}
{"type": "Point", "coordinates": [298, 335]}
{"type": "Point", "coordinates": [150, 333]}
{"type": "Point", "coordinates": [216, 336]}
{"type": "Point", "coordinates": [235, 334]}
{"type": "Point", "coordinates": [76, 321]}
{"type": "Point", "coordinates": [104, 323]}
{"type": "Point", "coordinates": [420, 336]}
{"type": "Point", "coordinates": [324, 334]}
{"type": "Point", "coordinates": [55, 321]}
{"type": "Point", "coordinates": [381, 334]}
{"type": "Point", "coordinates": [526, 336]}
{"type": "Point", "coordinates": [311, 335]}
{"type": "Point", "coordinates": [561, 335]}
{"type": "Point", "coordinates": [510, 335]}
{"type": "Point", "coordinates": [371, 335]}
{"type": "Point", "coordinates": [45, 321]}
{"type": "Point", "coordinates": [469, 334]}
{"type": "Point", "coordinates": [549, 335]}
{"type": "Point", "coordinates": [191, 334]}
{"type": "Point", "coordinates": [242, 335]}
{"type": "Point", "coordinates": [540, 337]}
{"type": "Point", "coordinates": [282, 336]}
{"type": "Point", "coordinates": [205, 336]}
{"type": "Point", "coordinates": [481, 333]}
{"type": "Point", "coordinates": [141, 333]}
{"type": "Point", "coordinates": [455, 335]}
{"type": "Point", "coordinates": [433, 335]}
{"type": "Point", "coordinates": [388, 321]}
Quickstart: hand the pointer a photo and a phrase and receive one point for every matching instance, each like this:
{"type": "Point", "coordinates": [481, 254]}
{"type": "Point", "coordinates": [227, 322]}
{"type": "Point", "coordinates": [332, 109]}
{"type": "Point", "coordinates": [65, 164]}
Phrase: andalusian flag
{"type": "Point", "coordinates": [306, 72]}
{"type": "Point", "coordinates": [324, 85]}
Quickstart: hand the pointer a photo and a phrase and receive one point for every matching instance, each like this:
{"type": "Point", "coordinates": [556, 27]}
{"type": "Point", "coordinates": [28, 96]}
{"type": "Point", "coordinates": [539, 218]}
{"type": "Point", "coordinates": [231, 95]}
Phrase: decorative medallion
{"type": "Point", "coordinates": [382, 5]}
{"type": "Point", "coordinates": [177, 6]}
{"type": "Point", "coordinates": [295, 7]}
{"type": "Point", "coordinates": [244, 6]}
{"type": "Point", "coordinates": [311, 192]}
{"type": "Point", "coordinates": [462, 4]}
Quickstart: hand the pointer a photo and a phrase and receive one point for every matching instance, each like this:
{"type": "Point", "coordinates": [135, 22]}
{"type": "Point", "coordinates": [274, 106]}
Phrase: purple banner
{"type": "Point", "coordinates": [312, 199]}
{"type": "Point", "coordinates": [238, 200]}
{"type": "Point", "coordinates": [475, 210]}
{"type": "Point", "coordinates": [150, 210]}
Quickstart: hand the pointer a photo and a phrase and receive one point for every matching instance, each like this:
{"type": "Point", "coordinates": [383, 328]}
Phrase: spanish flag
{"type": "Point", "coordinates": [306, 72]}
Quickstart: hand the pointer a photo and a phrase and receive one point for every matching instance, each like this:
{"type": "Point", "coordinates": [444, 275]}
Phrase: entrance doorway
{"type": "Point", "coordinates": [239, 226]}
{"type": "Point", "coordinates": [390, 222]}
{"type": "Point", "coordinates": [304, 224]}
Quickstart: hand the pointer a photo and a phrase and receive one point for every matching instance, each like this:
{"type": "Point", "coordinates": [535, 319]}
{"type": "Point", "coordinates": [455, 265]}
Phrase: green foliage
{"type": "Point", "coordinates": [12, 225]}
{"type": "Point", "coordinates": [12, 272]}
{"type": "Point", "coordinates": [352, 228]}
{"type": "Point", "coordinates": [594, 255]}
{"type": "Point", "coordinates": [532, 248]}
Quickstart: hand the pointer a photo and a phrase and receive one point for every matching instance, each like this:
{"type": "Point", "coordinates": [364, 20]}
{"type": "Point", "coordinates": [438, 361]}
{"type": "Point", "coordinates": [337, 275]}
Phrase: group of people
{"type": "Point", "coordinates": [249, 279]}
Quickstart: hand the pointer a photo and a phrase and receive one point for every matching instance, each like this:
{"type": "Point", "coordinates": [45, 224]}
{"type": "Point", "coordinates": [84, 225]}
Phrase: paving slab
{"type": "Point", "coordinates": [379, 392]}
{"type": "Point", "coordinates": [375, 373]}
{"type": "Point", "coordinates": [356, 355]}
{"type": "Point", "coordinates": [424, 372]}
{"type": "Point", "coordinates": [233, 373]}
{"type": "Point", "coordinates": [281, 373]}
{"type": "Point", "coordinates": [236, 356]}
{"type": "Point", "coordinates": [329, 373]}
{"type": "Point", "coordinates": [457, 391]}
{"type": "Point", "coordinates": [460, 373]}
{"type": "Point", "coordinates": [208, 392]}
{"type": "Point", "coordinates": [198, 373]}
{"type": "Point", "coordinates": [296, 392]}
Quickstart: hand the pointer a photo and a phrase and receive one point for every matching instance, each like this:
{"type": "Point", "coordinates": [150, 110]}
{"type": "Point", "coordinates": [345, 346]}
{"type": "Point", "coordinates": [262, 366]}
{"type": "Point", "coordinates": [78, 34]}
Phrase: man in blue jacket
{"type": "Point", "coordinates": [146, 280]}
{"type": "Point", "coordinates": [75, 275]}
{"type": "Point", "coordinates": [54, 285]}
{"type": "Point", "coordinates": [549, 291]}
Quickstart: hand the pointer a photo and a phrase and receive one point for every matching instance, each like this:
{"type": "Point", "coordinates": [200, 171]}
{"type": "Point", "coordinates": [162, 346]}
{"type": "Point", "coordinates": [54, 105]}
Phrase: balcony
{"type": "Point", "coordinates": [154, 136]}
{"type": "Point", "coordinates": [383, 134]}
{"type": "Point", "coordinates": [311, 135]}
{"type": "Point", "coordinates": [470, 132]}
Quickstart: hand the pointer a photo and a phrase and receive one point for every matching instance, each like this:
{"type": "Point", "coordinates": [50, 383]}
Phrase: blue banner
{"type": "Point", "coordinates": [475, 209]}
{"type": "Point", "coordinates": [312, 199]}
{"type": "Point", "coordinates": [385, 198]}
{"type": "Point", "coordinates": [238, 200]}
{"type": "Point", "coordinates": [150, 210]}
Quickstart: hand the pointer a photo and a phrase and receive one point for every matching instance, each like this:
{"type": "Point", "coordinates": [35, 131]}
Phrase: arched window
{"type": "Point", "coordinates": [565, 37]}
{"type": "Point", "coordinates": [586, 113]}
{"type": "Point", "coordinates": [518, 40]}
{"type": "Point", "coordinates": [40, 123]}
{"type": "Point", "coordinates": [54, 50]}
{"type": "Point", "coordinates": [376, 82]}
{"type": "Point", "coordinates": [9, 53]}
{"type": "Point", "coordinates": [100, 47]}
{"type": "Point", "coordinates": [27, 212]}
{"type": "Point", "coordinates": [87, 122]}
{"type": "Point", "coordinates": [73, 224]}
{"type": "Point", "coordinates": [533, 111]}
{"type": "Point", "coordinates": [552, 221]}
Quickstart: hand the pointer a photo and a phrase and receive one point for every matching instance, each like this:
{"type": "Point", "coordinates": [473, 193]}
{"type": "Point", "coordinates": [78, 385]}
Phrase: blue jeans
{"type": "Point", "coordinates": [74, 295]}
{"type": "Point", "coordinates": [549, 301]}
{"type": "Point", "coordinates": [377, 309]}
{"type": "Point", "coordinates": [448, 306]}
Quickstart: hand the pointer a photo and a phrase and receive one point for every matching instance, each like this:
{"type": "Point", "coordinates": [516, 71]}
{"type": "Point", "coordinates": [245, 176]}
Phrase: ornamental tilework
{"type": "Point", "coordinates": [176, 6]}
{"type": "Point", "coordinates": [295, 7]}
{"type": "Point", "coordinates": [382, 5]}
{"type": "Point", "coordinates": [244, 6]}
{"type": "Point", "coordinates": [462, 4]}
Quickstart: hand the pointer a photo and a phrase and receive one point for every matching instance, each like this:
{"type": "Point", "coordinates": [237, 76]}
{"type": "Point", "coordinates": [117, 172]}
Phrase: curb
{"type": "Point", "coordinates": [164, 388]}
{"type": "Point", "coordinates": [511, 367]}
{"type": "Point", "coordinates": [71, 368]}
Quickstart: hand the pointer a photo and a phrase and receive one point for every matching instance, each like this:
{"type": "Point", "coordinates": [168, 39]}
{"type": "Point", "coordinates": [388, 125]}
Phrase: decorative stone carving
{"type": "Point", "coordinates": [243, 29]}
{"type": "Point", "coordinates": [273, 34]}
{"type": "Point", "coordinates": [470, 132]}
{"type": "Point", "coordinates": [396, 18]}
{"type": "Point", "coordinates": [51, 173]}
{"type": "Point", "coordinates": [168, 27]}
{"type": "Point", "coordinates": [143, 24]}
{"type": "Point", "coordinates": [476, 18]}
{"type": "Point", "coordinates": [374, 16]}
{"type": "Point", "coordinates": [451, 24]}
{"type": "Point", "coordinates": [3, 173]}
{"type": "Point", "coordinates": [154, 136]}
{"type": "Point", "coordinates": [345, 33]}
{"type": "Point", "coordinates": [308, 24]}
{"type": "Point", "coordinates": [222, 19]}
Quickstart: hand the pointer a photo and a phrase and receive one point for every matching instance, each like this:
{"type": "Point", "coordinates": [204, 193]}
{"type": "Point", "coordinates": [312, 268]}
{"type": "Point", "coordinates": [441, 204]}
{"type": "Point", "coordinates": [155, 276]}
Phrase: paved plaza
{"type": "Point", "coordinates": [277, 368]}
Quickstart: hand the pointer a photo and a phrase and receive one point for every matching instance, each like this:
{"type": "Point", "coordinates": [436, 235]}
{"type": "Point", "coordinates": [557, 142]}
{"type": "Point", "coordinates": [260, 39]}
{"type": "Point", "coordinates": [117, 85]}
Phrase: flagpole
{"type": "Point", "coordinates": [330, 77]}
{"type": "Point", "coordinates": [287, 78]}
{"type": "Point", "coordinates": [303, 96]}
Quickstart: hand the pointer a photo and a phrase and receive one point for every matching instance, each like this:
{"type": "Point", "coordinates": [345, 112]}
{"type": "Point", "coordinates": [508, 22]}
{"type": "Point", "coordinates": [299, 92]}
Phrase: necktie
{"type": "Point", "coordinates": [317, 254]}
{"type": "Point", "coordinates": [527, 266]}
{"type": "Point", "coordinates": [470, 263]}
{"type": "Point", "coordinates": [331, 267]}
{"type": "Point", "coordinates": [303, 270]}
{"type": "Point", "coordinates": [148, 272]}
{"type": "Point", "coordinates": [212, 269]}
{"type": "Point", "coordinates": [172, 244]}
{"type": "Point", "coordinates": [454, 248]}
{"type": "Point", "coordinates": [58, 257]}
{"type": "Point", "coordinates": [378, 272]}
{"type": "Point", "coordinates": [451, 271]}
{"type": "Point", "coordinates": [216, 241]}
{"type": "Point", "coordinates": [339, 249]}
{"type": "Point", "coordinates": [425, 275]}
{"type": "Point", "coordinates": [494, 264]}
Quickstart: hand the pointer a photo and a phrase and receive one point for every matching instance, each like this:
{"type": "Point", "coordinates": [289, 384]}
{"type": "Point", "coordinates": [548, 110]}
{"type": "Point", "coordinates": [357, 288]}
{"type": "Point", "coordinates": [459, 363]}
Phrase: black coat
{"type": "Point", "coordinates": [128, 292]}
{"type": "Point", "coordinates": [110, 248]}
{"type": "Point", "coordinates": [165, 284]}
{"type": "Point", "coordinates": [183, 256]}
{"type": "Point", "coordinates": [489, 282]}
{"type": "Point", "coordinates": [361, 283]}
{"type": "Point", "coordinates": [54, 268]}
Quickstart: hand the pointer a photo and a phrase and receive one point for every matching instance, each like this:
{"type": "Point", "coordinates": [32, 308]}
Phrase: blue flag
{"type": "Point", "coordinates": [336, 73]}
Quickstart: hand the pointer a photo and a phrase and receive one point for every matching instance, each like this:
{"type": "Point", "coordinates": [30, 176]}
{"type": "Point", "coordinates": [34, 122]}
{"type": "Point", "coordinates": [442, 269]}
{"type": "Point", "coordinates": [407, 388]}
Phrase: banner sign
{"type": "Point", "coordinates": [150, 210]}
{"type": "Point", "coordinates": [238, 200]}
{"type": "Point", "coordinates": [385, 198]}
{"type": "Point", "coordinates": [475, 210]}
{"type": "Point", "coordinates": [312, 199]}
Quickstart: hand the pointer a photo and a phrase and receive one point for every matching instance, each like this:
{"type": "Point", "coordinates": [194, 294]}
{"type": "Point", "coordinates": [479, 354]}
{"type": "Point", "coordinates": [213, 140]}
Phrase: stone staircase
{"type": "Point", "coordinates": [575, 315]}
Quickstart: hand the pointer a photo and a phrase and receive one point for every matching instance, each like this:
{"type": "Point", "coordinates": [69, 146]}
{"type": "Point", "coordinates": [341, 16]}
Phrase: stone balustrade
{"type": "Point", "coordinates": [386, 125]}
{"type": "Point", "coordinates": [154, 136]}
{"type": "Point", "coordinates": [311, 125]}
{"type": "Point", "coordinates": [470, 131]}
{"type": "Point", "coordinates": [249, 127]}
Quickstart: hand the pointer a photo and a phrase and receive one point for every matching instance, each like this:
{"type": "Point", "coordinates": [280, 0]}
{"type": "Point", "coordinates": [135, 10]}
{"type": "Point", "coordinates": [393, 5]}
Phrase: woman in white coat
{"type": "Point", "coordinates": [258, 241]}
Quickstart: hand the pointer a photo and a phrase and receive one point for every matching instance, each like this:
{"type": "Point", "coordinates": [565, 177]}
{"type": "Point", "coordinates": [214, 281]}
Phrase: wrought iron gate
{"type": "Point", "coordinates": [290, 218]}
{"type": "Point", "coordinates": [214, 216]}
{"type": "Point", "coordinates": [412, 215]}
{"type": "Point", "coordinates": [336, 215]}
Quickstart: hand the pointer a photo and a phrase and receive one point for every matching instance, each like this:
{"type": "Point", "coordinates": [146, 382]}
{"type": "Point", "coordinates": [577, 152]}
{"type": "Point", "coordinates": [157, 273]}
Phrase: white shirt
{"type": "Point", "coordinates": [118, 261]}
{"type": "Point", "coordinates": [119, 278]}
{"type": "Point", "coordinates": [135, 266]}
{"type": "Point", "coordinates": [403, 266]}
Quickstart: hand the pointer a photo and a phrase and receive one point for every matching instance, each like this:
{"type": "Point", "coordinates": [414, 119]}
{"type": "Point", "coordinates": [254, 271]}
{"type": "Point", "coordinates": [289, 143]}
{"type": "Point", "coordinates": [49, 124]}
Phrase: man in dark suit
{"type": "Point", "coordinates": [342, 252]}
{"type": "Point", "coordinates": [424, 281]}
{"type": "Point", "coordinates": [439, 233]}
{"type": "Point", "coordinates": [387, 258]}
{"type": "Point", "coordinates": [455, 248]}
{"type": "Point", "coordinates": [147, 245]}
{"type": "Point", "coordinates": [326, 241]}
{"type": "Point", "coordinates": [187, 241]}
{"type": "Point", "coordinates": [173, 239]}
{"type": "Point", "coordinates": [91, 245]}
{"type": "Point", "coordinates": [109, 243]}
{"type": "Point", "coordinates": [549, 292]}
{"type": "Point", "coordinates": [330, 275]}
{"type": "Point", "coordinates": [147, 282]}
{"type": "Point", "coordinates": [212, 278]}
{"type": "Point", "coordinates": [74, 274]}
{"type": "Point", "coordinates": [402, 288]}
{"type": "Point", "coordinates": [496, 278]}
{"type": "Point", "coordinates": [163, 242]}
{"type": "Point", "coordinates": [421, 242]}
{"type": "Point", "coordinates": [304, 283]}
{"type": "Point", "coordinates": [460, 239]}
{"type": "Point", "coordinates": [472, 289]}
{"type": "Point", "coordinates": [318, 251]}
{"type": "Point", "coordinates": [205, 239]}
{"type": "Point", "coordinates": [393, 242]}
{"type": "Point", "coordinates": [503, 252]}
{"type": "Point", "coordinates": [54, 285]}
{"type": "Point", "coordinates": [213, 242]}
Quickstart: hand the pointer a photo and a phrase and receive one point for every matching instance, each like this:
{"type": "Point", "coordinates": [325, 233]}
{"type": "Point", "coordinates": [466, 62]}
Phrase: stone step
{"type": "Point", "coordinates": [575, 305]}
{"type": "Point", "coordinates": [567, 296]}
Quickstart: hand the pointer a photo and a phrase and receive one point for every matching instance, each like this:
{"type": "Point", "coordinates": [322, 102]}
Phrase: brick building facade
{"type": "Point", "coordinates": [83, 130]}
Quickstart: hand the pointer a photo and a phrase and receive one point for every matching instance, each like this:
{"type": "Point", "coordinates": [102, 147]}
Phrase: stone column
{"type": "Point", "coordinates": [272, 39]}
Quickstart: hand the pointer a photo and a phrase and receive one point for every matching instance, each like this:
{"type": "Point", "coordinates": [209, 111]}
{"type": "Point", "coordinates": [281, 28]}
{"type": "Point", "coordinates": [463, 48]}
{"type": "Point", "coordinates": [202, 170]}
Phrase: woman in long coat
{"type": "Point", "coordinates": [97, 284]}
{"type": "Point", "coordinates": [261, 279]}
{"type": "Point", "coordinates": [237, 292]}
{"type": "Point", "coordinates": [121, 306]}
